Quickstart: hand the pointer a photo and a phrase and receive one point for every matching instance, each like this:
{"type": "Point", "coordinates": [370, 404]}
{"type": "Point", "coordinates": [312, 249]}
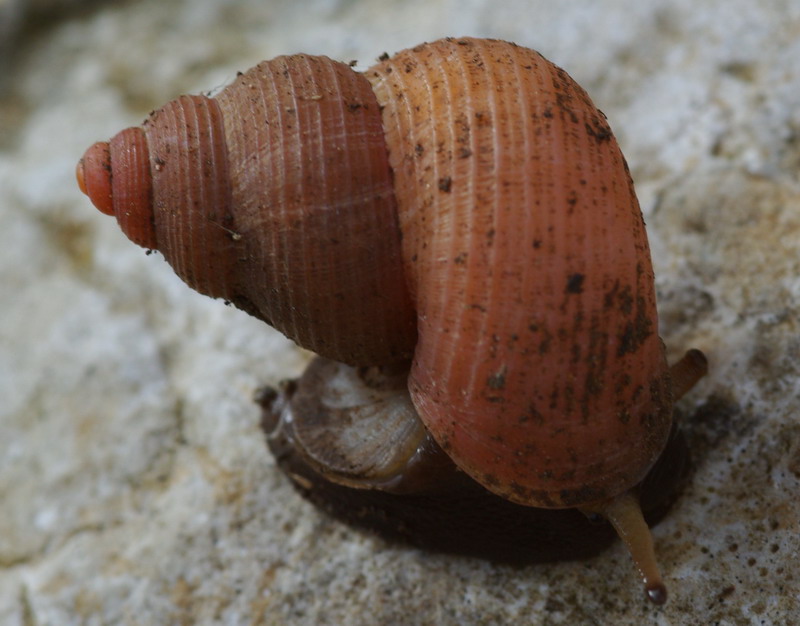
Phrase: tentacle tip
{"type": "Point", "coordinates": [656, 593]}
{"type": "Point", "coordinates": [698, 359]}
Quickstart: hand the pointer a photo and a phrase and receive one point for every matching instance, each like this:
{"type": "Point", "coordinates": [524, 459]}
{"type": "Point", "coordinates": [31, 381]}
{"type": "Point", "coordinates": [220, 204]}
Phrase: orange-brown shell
{"type": "Point", "coordinates": [538, 365]}
{"type": "Point", "coordinates": [275, 195]}
{"type": "Point", "coordinates": [463, 201]}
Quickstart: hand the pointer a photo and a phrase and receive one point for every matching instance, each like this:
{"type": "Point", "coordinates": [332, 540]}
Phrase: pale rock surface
{"type": "Point", "coordinates": [134, 483]}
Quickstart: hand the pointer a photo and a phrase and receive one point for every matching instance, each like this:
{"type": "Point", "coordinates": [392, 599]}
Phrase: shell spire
{"type": "Point", "coordinates": [275, 195]}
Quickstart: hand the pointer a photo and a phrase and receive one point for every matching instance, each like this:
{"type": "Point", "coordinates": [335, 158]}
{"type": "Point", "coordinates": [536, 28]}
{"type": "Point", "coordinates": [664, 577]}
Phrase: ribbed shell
{"type": "Point", "coordinates": [506, 235]}
{"type": "Point", "coordinates": [538, 365]}
{"type": "Point", "coordinates": [129, 153]}
{"type": "Point", "coordinates": [276, 195]}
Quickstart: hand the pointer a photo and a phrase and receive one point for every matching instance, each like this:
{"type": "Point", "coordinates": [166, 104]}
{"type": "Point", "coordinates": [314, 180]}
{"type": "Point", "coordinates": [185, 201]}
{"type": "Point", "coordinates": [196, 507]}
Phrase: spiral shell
{"type": "Point", "coordinates": [462, 205]}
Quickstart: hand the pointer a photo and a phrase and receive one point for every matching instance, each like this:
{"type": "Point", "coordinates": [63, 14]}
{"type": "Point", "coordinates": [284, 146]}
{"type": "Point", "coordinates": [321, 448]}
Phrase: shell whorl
{"type": "Point", "coordinates": [276, 195]}
{"type": "Point", "coordinates": [526, 253]}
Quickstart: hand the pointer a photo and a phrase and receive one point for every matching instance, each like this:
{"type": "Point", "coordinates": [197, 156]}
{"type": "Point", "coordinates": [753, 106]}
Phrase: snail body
{"type": "Point", "coordinates": [459, 216]}
{"type": "Point", "coordinates": [350, 440]}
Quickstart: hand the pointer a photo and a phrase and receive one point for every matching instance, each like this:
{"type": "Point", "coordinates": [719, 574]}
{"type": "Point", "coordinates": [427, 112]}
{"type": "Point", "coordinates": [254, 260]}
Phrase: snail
{"type": "Point", "coordinates": [455, 233]}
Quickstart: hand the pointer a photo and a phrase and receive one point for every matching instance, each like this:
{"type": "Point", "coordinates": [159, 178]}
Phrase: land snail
{"type": "Point", "coordinates": [455, 233]}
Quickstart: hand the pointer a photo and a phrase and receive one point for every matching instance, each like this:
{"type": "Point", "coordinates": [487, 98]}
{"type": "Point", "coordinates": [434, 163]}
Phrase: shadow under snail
{"type": "Point", "coordinates": [455, 232]}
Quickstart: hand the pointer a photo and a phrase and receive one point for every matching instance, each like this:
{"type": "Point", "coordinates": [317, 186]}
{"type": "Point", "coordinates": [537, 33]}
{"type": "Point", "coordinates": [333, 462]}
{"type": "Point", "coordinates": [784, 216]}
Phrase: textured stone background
{"type": "Point", "coordinates": [134, 484]}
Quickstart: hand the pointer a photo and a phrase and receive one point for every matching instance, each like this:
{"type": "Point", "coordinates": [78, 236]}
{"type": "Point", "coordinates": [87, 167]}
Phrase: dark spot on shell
{"type": "Point", "coordinates": [598, 129]}
{"type": "Point", "coordinates": [622, 383]}
{"type": "Point", "coordinates": [619, 299]}
{"type": "Point", "coordinates": [490, 480]}
{"type": "Point", "coordinates": [635, 332]}
{"type": "Point", "coordinates": [544, 344]}
{"type": "Point", "coordinates": [572, 199]}
{"type": "Point", "coordinates": [575, 283]}
{"type": "Point", "coordinates": [498, 379]}
{"type": "Point", "coordinates": [564, 102]}
{"type": "Point", "coordinates": [535, 495]}
{"type": "Point", "coordinates": [445, 184]}
{"type": "Point", "coordinates": [627, 340]}
{"type": "Point", "coordinates": [576, 497]}
{"type": "Point", "coordinates": [532, 414]}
